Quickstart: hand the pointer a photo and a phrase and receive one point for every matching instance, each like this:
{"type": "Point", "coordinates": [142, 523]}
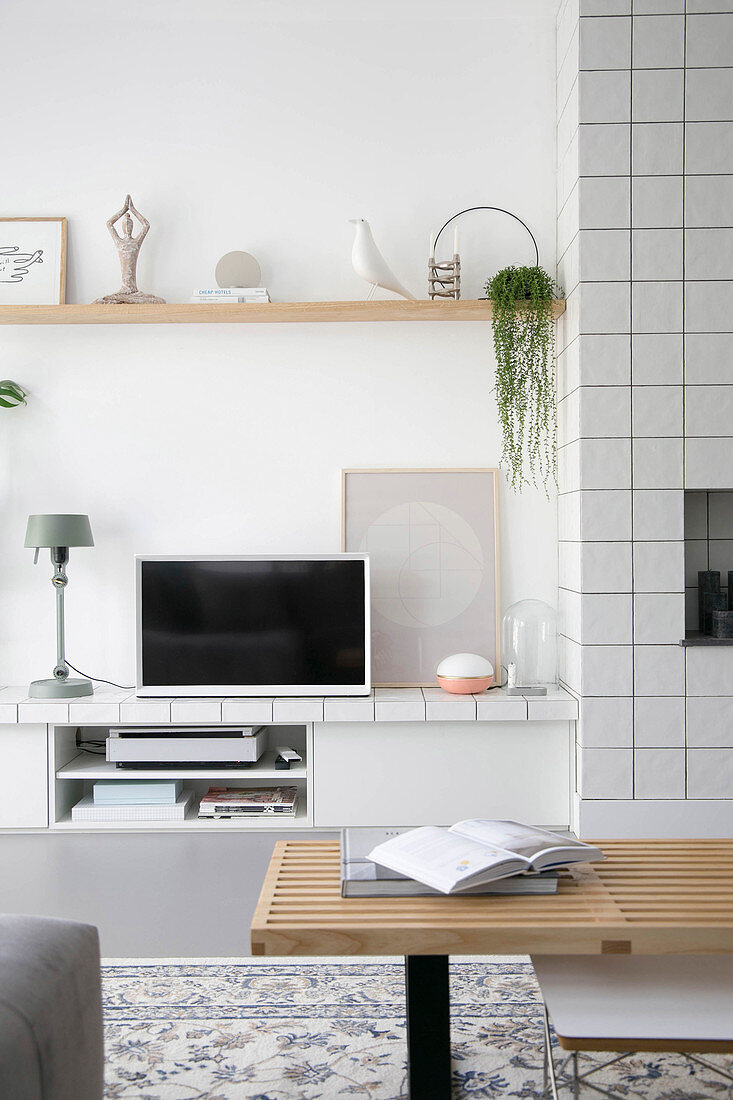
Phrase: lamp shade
{"type": "Point", "coordinates": [529, 642]}
{"type": "Point", "coordinates": [58, 530]}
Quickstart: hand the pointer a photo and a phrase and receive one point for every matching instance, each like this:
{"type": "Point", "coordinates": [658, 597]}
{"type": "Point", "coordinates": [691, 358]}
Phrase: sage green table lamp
{"type": "Point", "coordinates": [59, 533]}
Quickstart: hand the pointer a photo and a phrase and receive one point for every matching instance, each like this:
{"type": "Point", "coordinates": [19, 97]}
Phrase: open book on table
{"type": "Point", "coordinates": [476, 851]}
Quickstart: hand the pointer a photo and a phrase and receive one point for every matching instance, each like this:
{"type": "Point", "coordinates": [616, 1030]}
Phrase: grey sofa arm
{"type": "Point", "coordinates": [51, 1044]}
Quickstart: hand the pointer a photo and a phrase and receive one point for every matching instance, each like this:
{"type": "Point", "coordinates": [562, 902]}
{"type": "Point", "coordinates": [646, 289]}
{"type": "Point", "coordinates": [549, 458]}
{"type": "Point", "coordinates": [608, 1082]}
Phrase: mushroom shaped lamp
{"type": "Point", "coordinates": [465, 673]}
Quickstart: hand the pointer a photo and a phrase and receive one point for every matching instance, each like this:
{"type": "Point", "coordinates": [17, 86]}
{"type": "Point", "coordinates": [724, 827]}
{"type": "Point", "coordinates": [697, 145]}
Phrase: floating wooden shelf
{"type": "Point", "coordinates": [176, 313]}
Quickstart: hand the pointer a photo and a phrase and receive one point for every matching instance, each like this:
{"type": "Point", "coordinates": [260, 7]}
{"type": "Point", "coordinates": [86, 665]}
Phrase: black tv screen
{"type": "Point", "coordinates": [253, 626]}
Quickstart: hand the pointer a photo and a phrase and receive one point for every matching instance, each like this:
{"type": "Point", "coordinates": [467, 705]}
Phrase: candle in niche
{"type": "Point", "coordinates": [722, 624]}
{"type": "Point", "coordinates": [711, 602]}
{"type": "Point", "coordinates": [708, 581]}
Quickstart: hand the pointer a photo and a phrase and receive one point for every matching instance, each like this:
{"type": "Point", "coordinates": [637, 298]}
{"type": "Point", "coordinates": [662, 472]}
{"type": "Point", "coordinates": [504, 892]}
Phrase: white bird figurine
{"type": "Point", "coordinates": [370, 264]}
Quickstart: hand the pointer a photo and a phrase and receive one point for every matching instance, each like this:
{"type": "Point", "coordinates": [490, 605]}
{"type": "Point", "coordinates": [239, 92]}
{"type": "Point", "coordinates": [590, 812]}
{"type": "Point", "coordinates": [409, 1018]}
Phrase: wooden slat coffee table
{"type": "Point", "coordinates": [649, 897]}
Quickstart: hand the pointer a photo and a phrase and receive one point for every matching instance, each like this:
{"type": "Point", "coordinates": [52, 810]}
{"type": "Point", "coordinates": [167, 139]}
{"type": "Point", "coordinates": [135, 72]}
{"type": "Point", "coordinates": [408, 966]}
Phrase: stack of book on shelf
{"type": "Point", "coordinates": [134, 800]}
{"type": "Point", "coordinates": [249, 802]}
{"type": "Point", "coordinates": [472, 857]}
{"type": "Point", "coordinates": [220, 294]}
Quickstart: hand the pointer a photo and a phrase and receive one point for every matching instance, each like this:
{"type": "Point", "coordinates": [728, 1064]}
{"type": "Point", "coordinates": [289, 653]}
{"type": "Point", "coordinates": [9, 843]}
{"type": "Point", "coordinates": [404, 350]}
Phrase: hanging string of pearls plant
{"type": "Point", "coordinates": [524, 342]}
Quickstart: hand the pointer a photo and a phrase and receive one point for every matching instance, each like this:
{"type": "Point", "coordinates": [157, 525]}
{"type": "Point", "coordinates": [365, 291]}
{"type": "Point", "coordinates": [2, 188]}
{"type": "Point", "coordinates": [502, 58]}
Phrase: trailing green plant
{"type": "Point", "coordinates": [11, 394]}
{"type": "Point", "coordinates": [524, 341]}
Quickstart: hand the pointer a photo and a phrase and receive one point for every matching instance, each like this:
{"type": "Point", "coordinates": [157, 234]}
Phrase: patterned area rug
{"type": "Point", "coordinates": [281, 1030]}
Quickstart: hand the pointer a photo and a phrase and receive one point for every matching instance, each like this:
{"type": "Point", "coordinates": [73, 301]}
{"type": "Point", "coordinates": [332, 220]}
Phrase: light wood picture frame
{"type": "Point", "coordinates": [32, 261]}
{"type": "Point", "coordinates": [432, 536]}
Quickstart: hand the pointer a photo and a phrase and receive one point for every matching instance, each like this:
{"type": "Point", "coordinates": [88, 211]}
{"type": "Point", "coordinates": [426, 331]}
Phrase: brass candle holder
{"type": "Point", "coordinates": [444, 279]}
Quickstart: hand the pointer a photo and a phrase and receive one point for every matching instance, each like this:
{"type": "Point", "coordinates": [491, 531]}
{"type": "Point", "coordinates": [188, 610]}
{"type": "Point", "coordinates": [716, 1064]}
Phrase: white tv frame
{"type": "Point", "coordinates": [250, 690]}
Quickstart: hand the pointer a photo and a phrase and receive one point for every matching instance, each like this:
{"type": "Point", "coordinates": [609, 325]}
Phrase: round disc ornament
{"type": "Point", "coordinates": [238, 269]}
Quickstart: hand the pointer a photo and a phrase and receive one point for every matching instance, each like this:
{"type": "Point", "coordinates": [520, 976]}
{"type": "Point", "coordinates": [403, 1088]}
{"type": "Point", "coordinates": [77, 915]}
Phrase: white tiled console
{"type": "Point", "coordinates": [114, 707]}
{"type": "Point", "coordinates": [402, 756]}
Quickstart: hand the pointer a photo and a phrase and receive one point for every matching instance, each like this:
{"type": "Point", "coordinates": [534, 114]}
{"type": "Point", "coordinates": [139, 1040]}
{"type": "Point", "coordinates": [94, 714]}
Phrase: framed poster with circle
{"type": "Point", "coordinates": [32, 261]}
{"type": "Point", "coordinates": [433, 541]}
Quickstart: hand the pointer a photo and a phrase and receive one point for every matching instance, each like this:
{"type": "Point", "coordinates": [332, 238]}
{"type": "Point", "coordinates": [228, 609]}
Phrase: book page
{"type": "Point", "coordinates": [443, 859]}
{"type": "Point", "coordinates": [538, 846]}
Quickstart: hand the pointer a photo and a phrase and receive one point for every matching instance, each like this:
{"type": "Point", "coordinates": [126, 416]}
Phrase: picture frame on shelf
{"type": "Point", "coordinates": [32, 261]}
{"type": "Point", "coordinates": [432, 536]}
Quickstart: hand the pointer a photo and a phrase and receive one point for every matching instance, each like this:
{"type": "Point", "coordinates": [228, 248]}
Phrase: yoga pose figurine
{"type": "Point", "coordinates": [128, 248]}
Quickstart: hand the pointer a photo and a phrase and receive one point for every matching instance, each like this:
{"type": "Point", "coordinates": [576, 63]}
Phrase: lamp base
{"type": "Point", "coordinates": [60, 689]}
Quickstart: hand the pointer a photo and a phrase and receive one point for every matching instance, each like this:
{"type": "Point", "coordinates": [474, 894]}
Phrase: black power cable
{"type": "Point", "coordinates": [99, 679]}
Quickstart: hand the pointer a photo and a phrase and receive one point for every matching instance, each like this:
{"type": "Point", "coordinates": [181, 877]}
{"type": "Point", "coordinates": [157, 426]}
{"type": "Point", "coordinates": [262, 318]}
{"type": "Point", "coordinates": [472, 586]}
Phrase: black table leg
{"type": "Point", "coordinates": [428, 1027]}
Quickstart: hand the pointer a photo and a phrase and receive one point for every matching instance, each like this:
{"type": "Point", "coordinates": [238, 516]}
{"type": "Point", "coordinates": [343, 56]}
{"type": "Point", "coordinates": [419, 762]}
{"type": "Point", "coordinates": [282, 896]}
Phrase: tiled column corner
{"type": "Point", "coordinates": [568, 16]}
{"type": "Point", "coordinates": [605, 566]}
{"type": "Point", "coordinates": [646, 391]}
{"type": "Point", "coordinates": [604, 464]}
{"type": "Point", "coordinates": [604, 412]}
{"type": "Point", "coordinates": [605, 515]}
{"type": "Point", "coordinates": [570, 666]}
{"type": "Point", "coordinates": [606, 722]}
{"type": "Point", "coordinates": [606, 618]}
{"type": "Point", "coordinates": [708, 455]}
{"type": "Point", "coordinates": [570, 565]}
{"type": "Point", "coordinates": [604, 359]}
{"type": "Point", "coordinates": [568, 419]}
{"type": "Point", "coordinates": [606, 670]}
{"type": "Point", "coordinates": [605, 773]}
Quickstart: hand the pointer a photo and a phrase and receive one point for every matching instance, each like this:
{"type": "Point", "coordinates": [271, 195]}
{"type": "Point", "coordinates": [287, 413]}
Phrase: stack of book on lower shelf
{"type": "Point", "coordinates": [249, 802]}
{"type": "Point", "coordinates": [477, 856]}
{"type": "Point", "coordinates": [134, 800]}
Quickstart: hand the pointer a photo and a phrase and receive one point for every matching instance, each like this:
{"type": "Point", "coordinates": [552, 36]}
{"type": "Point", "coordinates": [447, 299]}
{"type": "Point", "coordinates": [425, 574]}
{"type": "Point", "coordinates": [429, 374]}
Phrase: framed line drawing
{"type": "Point", "coordinates": [433, 541]}
{"type": "Point", "coordinates": [32, 261]}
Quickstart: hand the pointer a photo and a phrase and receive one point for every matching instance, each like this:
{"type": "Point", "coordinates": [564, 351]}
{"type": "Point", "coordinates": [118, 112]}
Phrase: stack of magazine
{"type": "Point", "coordinates": [477, 856]}
{"type": "Point", "coordinates": [249, 802]}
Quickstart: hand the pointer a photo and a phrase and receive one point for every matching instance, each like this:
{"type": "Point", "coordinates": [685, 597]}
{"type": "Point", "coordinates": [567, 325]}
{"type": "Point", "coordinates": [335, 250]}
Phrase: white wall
{"type": "Point", "coordinates": [260, 125]}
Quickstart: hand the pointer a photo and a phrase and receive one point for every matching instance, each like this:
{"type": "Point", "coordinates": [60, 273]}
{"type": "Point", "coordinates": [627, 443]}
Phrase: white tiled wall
{"type": "Point", "coordinates": [645, 231]}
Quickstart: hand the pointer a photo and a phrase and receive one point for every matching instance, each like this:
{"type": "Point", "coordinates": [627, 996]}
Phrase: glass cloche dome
{"type": "Point", "coordinates": [529, 644]}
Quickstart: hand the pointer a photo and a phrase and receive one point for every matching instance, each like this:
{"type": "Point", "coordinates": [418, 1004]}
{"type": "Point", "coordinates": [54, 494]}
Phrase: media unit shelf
{"type": "Point", "coordinates": [179, 313]}
{"type": "Point", "coordinates": [192, 822]}
{"type": "Point", "coordinates": [90, 766]}
{"type": "Point", "coordinates": [72, 772]}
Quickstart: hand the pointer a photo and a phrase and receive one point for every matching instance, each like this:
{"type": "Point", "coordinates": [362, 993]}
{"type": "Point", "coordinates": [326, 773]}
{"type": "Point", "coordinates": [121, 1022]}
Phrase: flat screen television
{"type": "Point", "coordinates": [253, 625]}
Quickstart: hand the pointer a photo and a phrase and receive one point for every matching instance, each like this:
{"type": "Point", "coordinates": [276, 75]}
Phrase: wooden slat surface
{"type": "Point", "coordinates": [397, 309]}
{"type": "Point", "coordinates": [648, 897]}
